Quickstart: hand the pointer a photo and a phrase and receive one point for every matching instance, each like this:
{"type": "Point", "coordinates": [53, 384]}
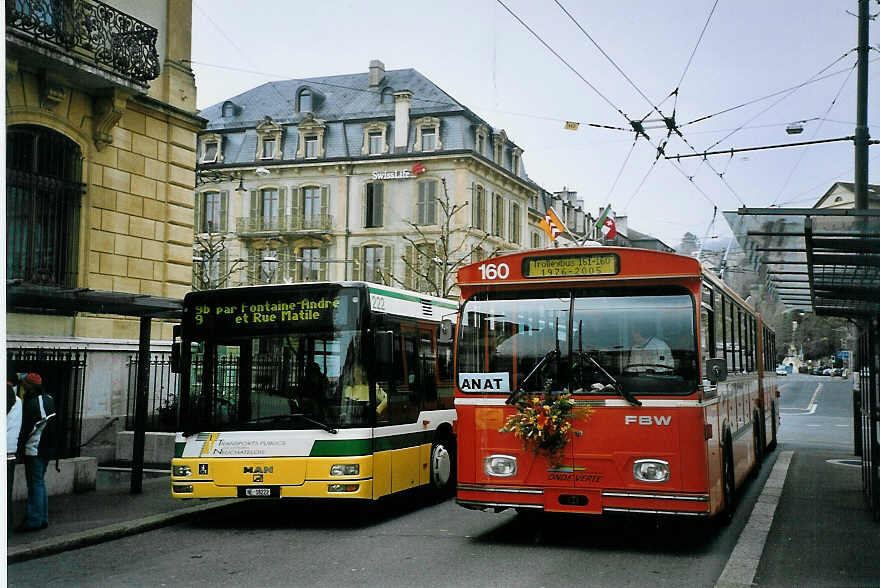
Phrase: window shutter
{"type": "Point", "coordinates": [224, 206]}
{"type": "Point", "coordinates": [282, 201]}
{"type": "Point", "coordinates": [510, 229]}
{"type": "Point", "coordinates": [254, 211]}
{"type": "Point", "coordinates": [474, 217]}
{"type": "Point", "coordinates": [325, 203]}
{"type": "Point", "coordinates": [323, 265]}
{"type": "Point", "coordinates": [197, 214]}
{"type": "Point", "coordinates": [409, 274]}
{"type": "Point", "coordinates": [356, 263]}
{"type": "Point", "coordinates": [221, 272]}
{"type": "Point", "coordinates": [364, 205]}
{"type": "Point", "coordinates": [296, 207]}
{"type": "Point", "coordinates": [378, 203]}
{"type": "Point", "coordinates": [432, 203]}
{"type": "Point", "coordinates": [252, 266]}
{"type": "Point", "coordinates": [420, 204]}
{"type": "Point", "coordinates": [389, 265]}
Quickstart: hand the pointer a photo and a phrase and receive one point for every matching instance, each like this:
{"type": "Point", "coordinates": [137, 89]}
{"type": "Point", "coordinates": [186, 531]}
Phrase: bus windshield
{"type": "Point", "coordinates": [642, 338]}
{"type": "Point", "coordinates": [303, 369]}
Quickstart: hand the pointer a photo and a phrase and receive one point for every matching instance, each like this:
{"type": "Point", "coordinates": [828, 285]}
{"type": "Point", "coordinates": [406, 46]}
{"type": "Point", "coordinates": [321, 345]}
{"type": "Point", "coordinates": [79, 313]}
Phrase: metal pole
{"type": "Point", "coordinates": [140, 408]}
{"type": "Point", "coordinates": [861, 138]}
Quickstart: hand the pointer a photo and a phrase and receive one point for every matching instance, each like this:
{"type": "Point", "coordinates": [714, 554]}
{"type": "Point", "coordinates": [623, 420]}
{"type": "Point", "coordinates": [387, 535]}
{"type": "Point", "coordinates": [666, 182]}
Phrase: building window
{"type": "Point", "coordinates": [43, 196]}
{"type": "Point", "coordinates": [387, 96]}
{"type": "Point", "coordinates": [373, 204]}
{"type": "Point", "coordinates": [311, 146]}
{"type": "Point", "coordinates": [311, 207]}
{"type": "Point", "coordinates": [536, 241]}
{"type": "Point", "coordinates": [269, 208]}
{"type": "Point", "coordinates": [498, 215]}
{"type": "Point", "coordinates": [478, 254]}
{"type": "Point", "coordinates": [481, 136]}
{"type": "Point", "coordinates": [427, 134]}
{"type": "Point", "coordinates": [213, 213]}
{"type": "Point", "coordinates": [374, 263]}
{"type": "Point", "coordinates": [421, 267]}
{"type": "Point", "coordinates": [305, 101]}
{"type": "Point", "coordinates": [310, 264]}
{"type": "Point", "coordinates": [268, 149]}
{"type": "Point", "coordinates": [513, 233]}
{"type": "Point", "coordinates": [210, 153]}
{"type": "Point", "coordinates": [426, 205]}
{"type": "Point", "coordinates": [375, 143]}
{"type": "Point", "coordinates": [429, 142]}
{"type": "Point", "coordinates": [479, 210]}
{"type": "Point", "coordinates": [228, 109]}
{"type": "Point", "coordinates": [498, 141]}
{"type": "Point", "coordinates": [514, 160]}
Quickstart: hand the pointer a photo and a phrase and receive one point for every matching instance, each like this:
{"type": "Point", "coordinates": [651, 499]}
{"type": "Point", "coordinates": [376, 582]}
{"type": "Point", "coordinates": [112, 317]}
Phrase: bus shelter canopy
{"type": "Point", "coordinates": [825, 261]}
{"type": "Point", "coordinates": [37, 299]}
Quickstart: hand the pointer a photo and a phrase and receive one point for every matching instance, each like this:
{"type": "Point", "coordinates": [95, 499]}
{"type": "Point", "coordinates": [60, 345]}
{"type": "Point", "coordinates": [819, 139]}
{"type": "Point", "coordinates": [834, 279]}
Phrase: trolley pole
{"type": "Point", "coordinates": [861, 137]}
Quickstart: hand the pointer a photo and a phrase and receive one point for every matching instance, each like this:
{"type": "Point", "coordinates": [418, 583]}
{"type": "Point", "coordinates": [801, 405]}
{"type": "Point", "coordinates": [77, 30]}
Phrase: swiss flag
{"type": "Point", "coordinates": [418, 168]}
{"type": "Point", "coordinates": [609, 229]}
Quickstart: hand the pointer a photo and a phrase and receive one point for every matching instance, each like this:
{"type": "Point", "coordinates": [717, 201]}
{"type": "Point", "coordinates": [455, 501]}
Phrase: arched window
{"type": "Point", "coordinates": [304, 104]}
{"type": "Point", "coordinates": [43, 196]}
{"type": "Point", "coordinates": [228, 109]}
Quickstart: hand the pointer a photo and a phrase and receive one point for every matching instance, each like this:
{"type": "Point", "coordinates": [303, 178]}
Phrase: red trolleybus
{"type": "Point", "coordinates": [668, 372]}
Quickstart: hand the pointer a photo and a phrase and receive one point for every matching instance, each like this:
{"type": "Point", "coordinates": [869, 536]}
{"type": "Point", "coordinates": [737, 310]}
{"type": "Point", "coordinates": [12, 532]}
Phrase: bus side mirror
{"type": "Point", "coordinates": [716, 370]}
{"type": "Point", "coordinates": [175, 349]}
{"type": "Point", "coordinates": [446, 332]}
{"type": "Point", "coordinates": [384, 346]}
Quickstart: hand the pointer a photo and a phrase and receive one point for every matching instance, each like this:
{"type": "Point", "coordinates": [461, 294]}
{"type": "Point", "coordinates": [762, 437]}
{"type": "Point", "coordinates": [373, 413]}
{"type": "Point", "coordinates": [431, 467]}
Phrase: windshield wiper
{"type": "Point", "coordinates": [280, 418]}
{"type": "Point", "coordinates": [615, 385]}
{"type": "Point", "coordinates": [549, 356]}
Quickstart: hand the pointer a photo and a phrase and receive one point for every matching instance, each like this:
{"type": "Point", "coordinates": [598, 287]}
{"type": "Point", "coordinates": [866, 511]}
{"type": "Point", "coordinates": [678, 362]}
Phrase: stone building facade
{"type": "Point", "coordinates": [346, 177]}
{"type": "Point", "coordinates": [101, 130]}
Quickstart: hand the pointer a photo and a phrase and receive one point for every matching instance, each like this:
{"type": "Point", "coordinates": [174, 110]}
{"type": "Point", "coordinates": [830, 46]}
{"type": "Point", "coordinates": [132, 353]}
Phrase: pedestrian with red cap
{"type": "Point", "coordinates": [36, 444]}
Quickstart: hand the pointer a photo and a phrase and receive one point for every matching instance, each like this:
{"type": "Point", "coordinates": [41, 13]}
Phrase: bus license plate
{"type": "Point", "coordinates": [259, 492]}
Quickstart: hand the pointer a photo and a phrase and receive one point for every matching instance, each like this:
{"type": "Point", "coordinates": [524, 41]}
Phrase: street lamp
{"type": "Point", "coordinates": [210, 176]}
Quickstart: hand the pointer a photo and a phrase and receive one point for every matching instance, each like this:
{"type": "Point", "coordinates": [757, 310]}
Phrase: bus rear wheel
{"type": "Point", "coordinates": [772, 444]}
{"type": "Point", "coordinates": [443, 467]}
{"type": "Point", "coordinates": [728, 482]}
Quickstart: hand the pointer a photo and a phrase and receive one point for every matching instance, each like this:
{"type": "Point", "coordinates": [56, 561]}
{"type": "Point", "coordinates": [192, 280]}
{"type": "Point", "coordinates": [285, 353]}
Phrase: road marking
{"type": "Point", "coordinates": [850, 463]}
{"type": "Point", "coordinates": [746, 555]}
{"type": "Point", "coordinates": [814, 425]}
{"type": "Point", "coordinates": [811, 407]}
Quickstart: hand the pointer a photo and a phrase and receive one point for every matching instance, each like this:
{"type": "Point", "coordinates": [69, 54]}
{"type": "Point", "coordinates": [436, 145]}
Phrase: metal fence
{"type": "Point", "coordinates": [162, 394]}
{"type": "Point", "coordinates": [63, 373]}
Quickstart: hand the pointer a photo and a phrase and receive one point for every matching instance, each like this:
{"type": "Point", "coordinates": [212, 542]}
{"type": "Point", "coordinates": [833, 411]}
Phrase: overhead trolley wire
{"type": "Point", "coordinates": [803, 151]}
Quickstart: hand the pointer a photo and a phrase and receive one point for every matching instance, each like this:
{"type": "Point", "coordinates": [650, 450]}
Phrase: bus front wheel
{"type": "Point", "coordinates": [443, 466]}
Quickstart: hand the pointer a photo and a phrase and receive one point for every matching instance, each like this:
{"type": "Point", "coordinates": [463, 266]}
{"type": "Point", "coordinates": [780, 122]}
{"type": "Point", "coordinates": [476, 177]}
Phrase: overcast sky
{"type": "Point", "coordinates": [479, 53]}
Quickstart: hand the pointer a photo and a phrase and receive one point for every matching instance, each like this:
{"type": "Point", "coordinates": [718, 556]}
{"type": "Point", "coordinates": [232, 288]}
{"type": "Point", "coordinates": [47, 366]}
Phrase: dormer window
{"type": "Point", "coordinates": [428, 134]}
{"type": "Point", "coordinates": [311, 138]}
{"type": "Point", "coordinates": [374, 139]}
{"type": "Point", "coordinates": [268, 139]}
{"type": "Point", "coordinates": [498, 141]}
{"type": "Point", "coordinates": [311, 146]}
{"type": "Point", "coordinates": [305, 101]}
{"type": "Point", "coordinates": [212, 151]}
{"type": "Point", "coordinates": [515, 157]}
{"type": "Point", "coordinates": [229, 109]}
{"type": "Point", "coordinates": [387, 96]}
{"type": "Point", "coordinates": [481, 138]}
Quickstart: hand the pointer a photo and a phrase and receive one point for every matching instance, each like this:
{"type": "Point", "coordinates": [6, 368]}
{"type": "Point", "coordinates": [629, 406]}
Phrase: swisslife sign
{"type": "Point", "coordinates": [401, 174]}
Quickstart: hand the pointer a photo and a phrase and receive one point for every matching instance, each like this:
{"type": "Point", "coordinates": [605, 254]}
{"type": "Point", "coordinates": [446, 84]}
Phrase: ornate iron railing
{"type": "Point", "coordinates": [91, 30]}
{"type": "Point", "coordinates": [320, 223]}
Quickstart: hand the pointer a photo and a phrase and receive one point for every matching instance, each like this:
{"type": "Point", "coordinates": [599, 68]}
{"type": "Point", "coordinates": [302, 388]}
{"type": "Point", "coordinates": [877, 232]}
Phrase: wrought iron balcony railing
{"type": "Point", "coordinates": [90, 30]}
{"type": "Point", "coordinates": [255, 225]}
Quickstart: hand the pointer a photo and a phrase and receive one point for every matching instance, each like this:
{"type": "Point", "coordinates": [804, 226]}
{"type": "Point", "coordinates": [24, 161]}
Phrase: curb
{"type": "Point", "coordinates": [108, 532]}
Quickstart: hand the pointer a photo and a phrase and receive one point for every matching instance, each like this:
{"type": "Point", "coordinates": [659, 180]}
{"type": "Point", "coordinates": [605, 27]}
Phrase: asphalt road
{"type": "Point", "coordinates": [415, 541]}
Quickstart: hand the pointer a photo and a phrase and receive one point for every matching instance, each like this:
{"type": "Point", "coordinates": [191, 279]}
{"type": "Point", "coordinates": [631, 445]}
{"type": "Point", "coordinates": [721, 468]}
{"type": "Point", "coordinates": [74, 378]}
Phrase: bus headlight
{"type": "Point", "coordinates": [345, 469]}
{"type": "Point", "coordinates": [343, 487]}
{"type": "Point", "coordinates": [500, 466]}
{"type": "Point", "coordinates": [651, 470]}
{"type": "Point", "coordinates": [181, 470]}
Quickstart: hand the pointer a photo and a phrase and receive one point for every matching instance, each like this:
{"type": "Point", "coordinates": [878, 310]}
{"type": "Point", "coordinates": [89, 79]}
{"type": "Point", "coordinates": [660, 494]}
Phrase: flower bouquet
{"type": "Point", "coordinates": [543, 422]}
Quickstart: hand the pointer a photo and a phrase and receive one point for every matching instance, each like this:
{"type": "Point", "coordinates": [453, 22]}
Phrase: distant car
{"type": "Point", "coordinates": [828, 372]}
{"type": "Point", "coordinates": [781, 371]}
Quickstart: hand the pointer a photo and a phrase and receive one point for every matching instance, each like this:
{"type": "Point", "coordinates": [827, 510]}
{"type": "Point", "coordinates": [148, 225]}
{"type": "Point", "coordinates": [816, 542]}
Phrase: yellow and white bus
{"type": "Point", "coordinates": [313, 390]}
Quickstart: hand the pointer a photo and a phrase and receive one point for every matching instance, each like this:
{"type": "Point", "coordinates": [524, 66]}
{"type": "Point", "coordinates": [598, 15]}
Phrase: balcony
{"type": "Point", "coordinates": [261, 226]}
{"type": "Point", "coordinates": [90, 38]}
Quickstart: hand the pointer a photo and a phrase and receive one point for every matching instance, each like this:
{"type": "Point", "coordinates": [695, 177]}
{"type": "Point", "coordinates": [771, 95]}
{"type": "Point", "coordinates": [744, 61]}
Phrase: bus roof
{"type": "Point", "coordinates": [580, 264]}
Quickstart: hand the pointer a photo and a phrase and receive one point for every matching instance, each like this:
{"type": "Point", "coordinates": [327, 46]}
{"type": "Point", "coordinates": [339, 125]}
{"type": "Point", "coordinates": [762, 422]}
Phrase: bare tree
{"type": "Point", "coordinates": [437, 257]}
{"type": "Point", "coordinates": [211, 265]}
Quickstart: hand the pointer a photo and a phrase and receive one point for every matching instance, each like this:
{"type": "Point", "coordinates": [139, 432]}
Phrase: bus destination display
{"type": "Point", "coordinates": [561, 266]}
{"type": "Point", "coordinates": [300, 311]}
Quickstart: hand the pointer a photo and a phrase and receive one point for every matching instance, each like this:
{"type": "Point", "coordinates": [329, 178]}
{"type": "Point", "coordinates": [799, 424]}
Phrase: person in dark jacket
{"type": "Point", "coordinates": [37, 445]}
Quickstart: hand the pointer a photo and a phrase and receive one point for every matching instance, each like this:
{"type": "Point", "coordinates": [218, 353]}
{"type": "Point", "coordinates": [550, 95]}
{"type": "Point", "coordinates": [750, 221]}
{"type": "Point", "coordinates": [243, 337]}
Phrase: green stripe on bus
{"type": "Point", "coordinates": [178, 448]}
{"type": "Point", "coordinates": [403, 296]}
{"type": "Point", "coordinates": [344, 447]}
{"type": "Point", "coordinates": [349, 447]}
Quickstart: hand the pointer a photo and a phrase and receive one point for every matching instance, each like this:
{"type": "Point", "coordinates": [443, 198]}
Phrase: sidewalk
{"type": "Point", "coordinates": [109, 512]}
